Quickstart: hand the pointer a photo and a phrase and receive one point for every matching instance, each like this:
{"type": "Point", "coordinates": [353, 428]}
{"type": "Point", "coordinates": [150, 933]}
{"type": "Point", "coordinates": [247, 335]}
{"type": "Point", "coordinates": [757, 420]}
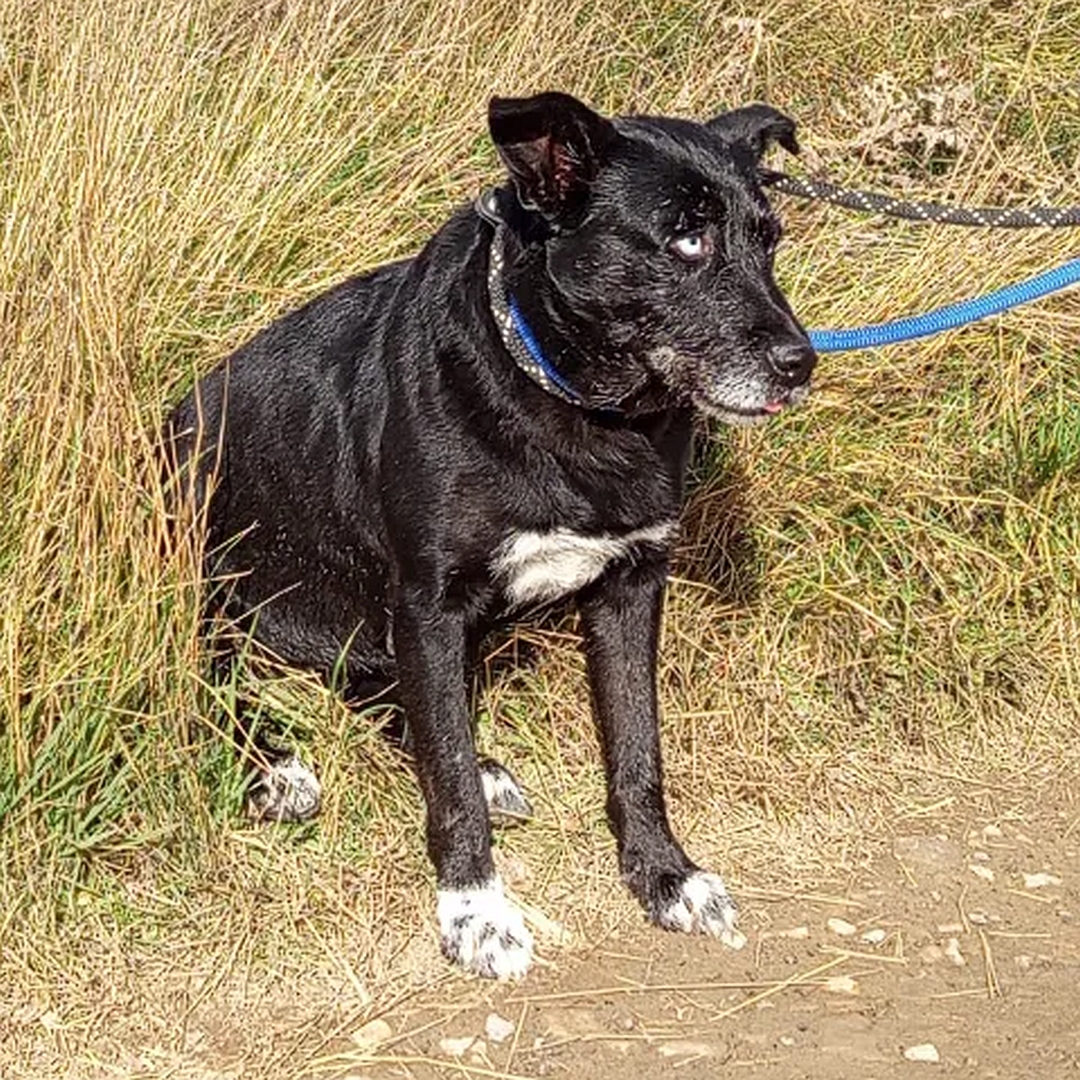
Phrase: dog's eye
{"type": "Point", "coordinates": [693, 247]}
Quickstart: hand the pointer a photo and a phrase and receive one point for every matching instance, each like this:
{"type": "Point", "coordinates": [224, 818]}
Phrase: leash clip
{"type": "Point", "coordinates": [487, 206]}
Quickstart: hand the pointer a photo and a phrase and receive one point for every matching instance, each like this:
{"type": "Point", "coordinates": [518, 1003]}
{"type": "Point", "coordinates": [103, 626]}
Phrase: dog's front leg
{"type": "Point", "coordinates": [478, 927]}
{"type": "Point", "coordinates": [621, 621]}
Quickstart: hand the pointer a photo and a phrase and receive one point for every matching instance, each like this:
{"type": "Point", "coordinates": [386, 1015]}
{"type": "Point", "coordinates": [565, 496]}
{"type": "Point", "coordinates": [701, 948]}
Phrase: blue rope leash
{"type": "Point", "coordinates": [954, 315]}
{"type": "Point", "coordinates": [951, 316]}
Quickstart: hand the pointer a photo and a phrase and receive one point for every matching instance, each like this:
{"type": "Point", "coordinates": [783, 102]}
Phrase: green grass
{"type": "Point", "coordinates": [882, 584]}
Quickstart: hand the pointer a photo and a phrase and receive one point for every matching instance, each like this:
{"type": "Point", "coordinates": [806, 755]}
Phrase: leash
{"type": "Point", "coordinates": [952, 315]}
{"type": "Point", "coordinates": [987, 217]}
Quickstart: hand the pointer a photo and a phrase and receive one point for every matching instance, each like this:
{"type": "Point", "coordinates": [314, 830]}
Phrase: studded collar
{"type": "Point", "coordinates": [514, 330]}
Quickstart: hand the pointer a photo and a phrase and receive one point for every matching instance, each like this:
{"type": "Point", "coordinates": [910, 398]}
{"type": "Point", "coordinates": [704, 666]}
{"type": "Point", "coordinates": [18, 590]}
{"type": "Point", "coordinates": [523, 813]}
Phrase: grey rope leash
{"type": "Point", "coordinates": [991, 217]}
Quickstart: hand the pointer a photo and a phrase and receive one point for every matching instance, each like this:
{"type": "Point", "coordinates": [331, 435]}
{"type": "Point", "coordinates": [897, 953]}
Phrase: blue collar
{"type": "Point", "coordinates": [514, 330]}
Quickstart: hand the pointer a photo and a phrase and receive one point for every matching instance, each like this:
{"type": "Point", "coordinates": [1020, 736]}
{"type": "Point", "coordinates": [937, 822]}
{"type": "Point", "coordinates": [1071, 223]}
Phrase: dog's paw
{"type": "Point", "coordinates": [506, 801]}
{"type": "Point", "coordinates": [702, 906]}
{"type": "Point", "coordinates": [285, 791]}
{"type": "Point", "coordinates": [480, 930]}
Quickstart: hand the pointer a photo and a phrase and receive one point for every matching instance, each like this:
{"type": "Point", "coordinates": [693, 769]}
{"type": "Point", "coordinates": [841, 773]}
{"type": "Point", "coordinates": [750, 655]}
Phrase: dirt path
{"type": "Point", "coordinates": [945, 940]}
{"type": "Point", "coordinates": [958, 929]}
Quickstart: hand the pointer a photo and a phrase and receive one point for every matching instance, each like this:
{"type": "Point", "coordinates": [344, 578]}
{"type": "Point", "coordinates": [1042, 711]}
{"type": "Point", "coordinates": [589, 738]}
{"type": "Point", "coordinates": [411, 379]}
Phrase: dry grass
{"type": "Point", "coordinates": [877, 588]}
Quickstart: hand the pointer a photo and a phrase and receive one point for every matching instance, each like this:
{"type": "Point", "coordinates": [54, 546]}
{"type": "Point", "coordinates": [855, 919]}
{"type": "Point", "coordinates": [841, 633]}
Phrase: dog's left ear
{"type": "Point", "coordinates": [553, 147]}
{"type": "Point", "coordinates": [758, 127]}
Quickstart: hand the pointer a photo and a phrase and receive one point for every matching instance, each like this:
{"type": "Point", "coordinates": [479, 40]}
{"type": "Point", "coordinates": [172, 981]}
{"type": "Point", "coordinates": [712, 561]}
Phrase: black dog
{"type": "Point", "coordinates": [499, 423]}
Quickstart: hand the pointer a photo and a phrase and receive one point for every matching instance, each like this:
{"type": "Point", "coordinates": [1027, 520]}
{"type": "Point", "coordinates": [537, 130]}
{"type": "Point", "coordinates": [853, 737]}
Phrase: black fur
{"type": "Point", "coordinates": [367, 456]}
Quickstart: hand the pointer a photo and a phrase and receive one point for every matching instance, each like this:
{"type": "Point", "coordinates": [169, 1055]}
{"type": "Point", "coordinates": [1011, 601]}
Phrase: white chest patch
{"type": "Point", "coordinates": [542, 566]}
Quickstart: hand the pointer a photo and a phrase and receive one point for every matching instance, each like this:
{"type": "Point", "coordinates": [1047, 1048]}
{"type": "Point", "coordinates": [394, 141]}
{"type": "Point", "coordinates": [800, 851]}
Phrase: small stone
{"type": "Point", "coordinates": [733, 939]}
{"type": "Point", "coordinates": [796, 933]}
{"type": "Point", "coordinates": [978, 918]}
{"type": "Point", "coordinates": [684, 1048]}
{"type": "Point", "coordinates": [875, 936]}
{"type": "Point", "coordinates": [1024, 962]}
{"type": "Point", "coordinates": [786, 1040]}
{"type": "Point", "coordinates": [841, 927]}
{"type": "Point", "coordinates": [981, 856]}
{"type": "Point", "coordinates": [952, 951]}
{"type": "Point", "coordinates": [841, 984]}
{"type": "Point", "coordinates": [992, 832]}
{"type": "Point", "coordinates": [497, 1028]}
{"type": "Point", "coordinates": [950, 928]}
{"type": "Point", "coordinates": [457, 1048]}
{"type": "Point", "coordinates": [1040, 880]}
{"type": "Point", "coordinates": [50, 1020]}
{"type": "Point", "coordinates": [372, 1034]}
{"type": "Point", "coordinates": [923, 1052]}
{"type": "Point", "coordinates": [983, 872]}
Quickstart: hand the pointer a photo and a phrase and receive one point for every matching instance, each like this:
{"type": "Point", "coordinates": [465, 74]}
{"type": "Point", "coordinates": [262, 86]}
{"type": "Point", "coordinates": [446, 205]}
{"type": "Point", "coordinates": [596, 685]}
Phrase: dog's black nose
{"type": "Point", "coordinates": [793, 361]}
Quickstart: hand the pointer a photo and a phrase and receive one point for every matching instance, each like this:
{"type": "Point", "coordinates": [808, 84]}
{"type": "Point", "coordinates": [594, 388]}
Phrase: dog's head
{"type": "Point", "coordinates": [658, 237]}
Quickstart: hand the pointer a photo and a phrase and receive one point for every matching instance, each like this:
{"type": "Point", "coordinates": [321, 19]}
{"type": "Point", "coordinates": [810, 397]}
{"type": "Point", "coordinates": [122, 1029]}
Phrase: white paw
{"type": "Point", "coordinates": [704, 907]}
{"type": "Point", "coordinates": [286, 791]}
{"type": "Point", "coordinates": [480, 930]}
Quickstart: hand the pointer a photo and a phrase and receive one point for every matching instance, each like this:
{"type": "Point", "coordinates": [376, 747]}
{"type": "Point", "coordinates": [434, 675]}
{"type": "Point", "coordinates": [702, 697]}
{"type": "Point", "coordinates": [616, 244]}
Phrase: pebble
{"type": "Point", "coordinates": [457, 1048]}
{"type": "Point", "coordinates": [950, 928]}
{"type": "Point", "coordinates": [875, 936]}
{"type": "Point", "coordinates": [992, 832]}
{"type": "Point", "coordinates": [931, 954]}
{"type": "Point", "coordinates": [1040, 880]}
{"type": "Point", "coordinates": [983, 872]}
{"type": "Point", "coordinates": [923, 1052]}
{"type": "Point", "coordinates": [841, 984]}
{"type": "Point", "coordinates": [796, 933]}
{"type": "Point", "coordinates": [372, 1034]}
{"type": "Point", "coordinates": [841, 927]}
{"type": "Point", "coordinates": [733, 939]}
{"type": "Point", "coordinates": [684, 1048]}
{"type": "Point", "coordinates": [497, 1028]}
{"type": "Point", "coordinates": [981, 856]}
{"type": "Point", "coordinates": [952, 951]}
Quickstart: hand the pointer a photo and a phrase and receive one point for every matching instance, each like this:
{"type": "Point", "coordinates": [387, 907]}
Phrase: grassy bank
{"type": "Point", "coordinates": [880, 587]}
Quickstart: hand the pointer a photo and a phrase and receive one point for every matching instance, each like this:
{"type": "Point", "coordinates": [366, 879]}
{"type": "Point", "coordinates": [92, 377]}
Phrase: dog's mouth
{"type": "Point", "coordinates": [740, 398]}
{"type": "Point", "coordinates": [742, 416]}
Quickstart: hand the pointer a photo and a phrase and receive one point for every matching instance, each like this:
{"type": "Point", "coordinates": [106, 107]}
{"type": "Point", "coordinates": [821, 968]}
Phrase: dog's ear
{"type": "Point", "coordinates": [552, 146]}
{"type": "Point", "coordinates": [758, 127]}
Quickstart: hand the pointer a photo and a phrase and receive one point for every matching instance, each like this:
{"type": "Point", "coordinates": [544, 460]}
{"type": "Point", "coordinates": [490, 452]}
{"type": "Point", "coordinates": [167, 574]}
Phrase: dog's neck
{"type": "Point", "coordinates": [516, 334]}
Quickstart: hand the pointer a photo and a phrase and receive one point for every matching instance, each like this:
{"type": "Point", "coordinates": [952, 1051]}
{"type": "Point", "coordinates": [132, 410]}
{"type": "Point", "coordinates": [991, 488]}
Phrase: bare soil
{"type": "Point", "coordinates": [963, 953]}
{"type": "Point", "coordinates": [945, 939]}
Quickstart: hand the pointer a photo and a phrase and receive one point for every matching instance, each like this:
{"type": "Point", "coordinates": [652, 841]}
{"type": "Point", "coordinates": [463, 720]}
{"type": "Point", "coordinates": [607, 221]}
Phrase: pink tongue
{"type": "Point", "coordinates": [774, 407]}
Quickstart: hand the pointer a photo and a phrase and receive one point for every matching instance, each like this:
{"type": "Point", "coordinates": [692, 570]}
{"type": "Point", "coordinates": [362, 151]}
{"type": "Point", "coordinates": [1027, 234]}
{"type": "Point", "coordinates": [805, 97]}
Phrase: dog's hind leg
{"type": "Point", "coordinates": [285, 790]}
{"type": "Point", "coordinates": [281, 787]}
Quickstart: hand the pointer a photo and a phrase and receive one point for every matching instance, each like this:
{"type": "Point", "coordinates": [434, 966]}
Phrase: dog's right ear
{"type": "Point", "coordinates": [757, 126]}
{"type": "Point", "coordinates": [552, 145]}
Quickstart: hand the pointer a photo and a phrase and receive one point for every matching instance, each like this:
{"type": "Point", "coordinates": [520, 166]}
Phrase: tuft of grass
{"type": "Point", "coordinates": [877, 588]}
